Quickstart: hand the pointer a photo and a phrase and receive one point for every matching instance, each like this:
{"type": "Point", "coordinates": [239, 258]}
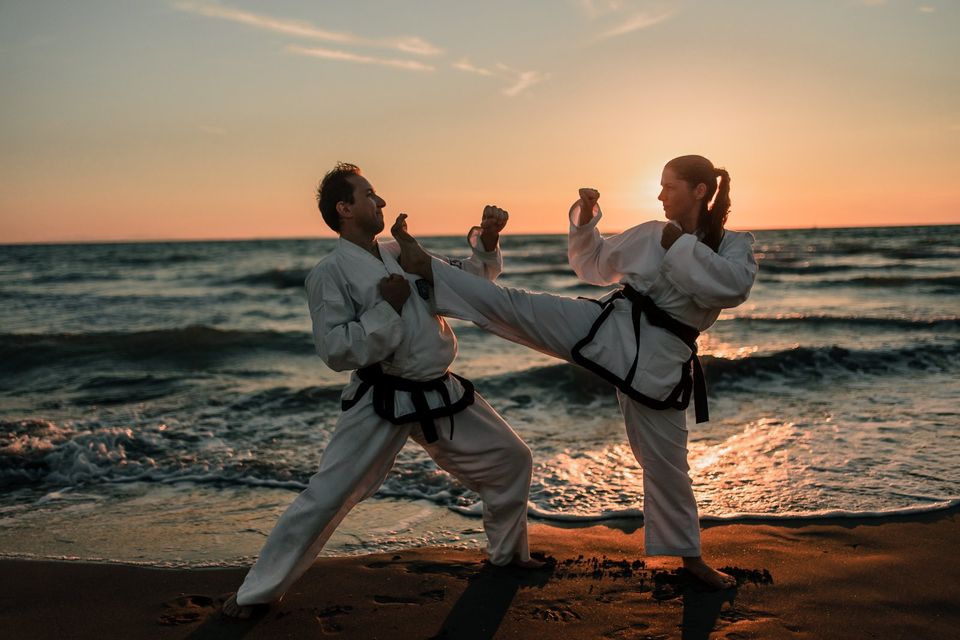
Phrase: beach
{"type": "Point", "coordinates": [893, 577]}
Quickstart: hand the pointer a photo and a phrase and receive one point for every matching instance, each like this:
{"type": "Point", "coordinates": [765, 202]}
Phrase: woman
{"type": "Point", "coordinates": [677, 276]}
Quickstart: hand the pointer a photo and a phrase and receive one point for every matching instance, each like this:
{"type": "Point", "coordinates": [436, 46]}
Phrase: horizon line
{"type": "Point", "coordinates": [448, 235]}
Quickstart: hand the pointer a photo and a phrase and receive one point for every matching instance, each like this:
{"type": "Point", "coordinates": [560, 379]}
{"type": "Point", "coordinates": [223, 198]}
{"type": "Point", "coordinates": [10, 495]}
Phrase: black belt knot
{"type": "Point", "coordinates": [643, 304]}
{"type": "Point", "coordinates": [385, 387]}
{"type": "Point", "coordinates": [691, 377]}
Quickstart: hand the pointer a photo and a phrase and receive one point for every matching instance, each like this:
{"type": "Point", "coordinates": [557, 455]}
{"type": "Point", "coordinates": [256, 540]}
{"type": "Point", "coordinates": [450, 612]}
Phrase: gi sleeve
{"type": "Point", "coordinates": [595, 259]}
{"type": "Point", "coordinates": [712, 280]}
{"type": "Point", "coordinates": [483, 263]}
{"type": "Point", "coordinates": [344, 340]}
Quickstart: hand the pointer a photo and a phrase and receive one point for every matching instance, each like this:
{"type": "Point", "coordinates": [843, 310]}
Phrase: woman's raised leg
{"type": "Point", "coordinates": [548, 323]}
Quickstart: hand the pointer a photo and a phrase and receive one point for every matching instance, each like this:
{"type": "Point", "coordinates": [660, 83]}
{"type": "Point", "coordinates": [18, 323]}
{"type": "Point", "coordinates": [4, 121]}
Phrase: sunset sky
{"type": "Point", "coordinates": [167, 119]}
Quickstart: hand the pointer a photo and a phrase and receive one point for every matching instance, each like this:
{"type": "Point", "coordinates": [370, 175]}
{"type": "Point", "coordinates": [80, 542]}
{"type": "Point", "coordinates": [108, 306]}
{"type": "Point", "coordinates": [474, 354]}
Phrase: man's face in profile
{"type": "Point", "coordinates": [367, 207]}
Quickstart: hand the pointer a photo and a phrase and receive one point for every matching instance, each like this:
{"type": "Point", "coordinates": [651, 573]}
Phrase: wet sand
{"type": "Point", "coordinates": [866, 578]}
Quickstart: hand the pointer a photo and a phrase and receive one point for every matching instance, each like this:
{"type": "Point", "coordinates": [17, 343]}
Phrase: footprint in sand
{"type": "Point", "coordinates": [739, 614]}
{"type": "Point", "coordinates": [326, 618]}
{"type": "Point", "coordinates": [454, 570]}
{"type": "Point", "coordinates": [187, 610]}
{"type": "Point", "coordinates": [555, 613]}
{"type": "Point", "coordinates": [329, 627]}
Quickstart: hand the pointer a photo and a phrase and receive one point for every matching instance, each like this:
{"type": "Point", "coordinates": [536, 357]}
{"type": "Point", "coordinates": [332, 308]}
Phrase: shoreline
{"type": "Point", "coordinates": [831, 578]}
{"type": "Point", "coordinates": [189, 526]}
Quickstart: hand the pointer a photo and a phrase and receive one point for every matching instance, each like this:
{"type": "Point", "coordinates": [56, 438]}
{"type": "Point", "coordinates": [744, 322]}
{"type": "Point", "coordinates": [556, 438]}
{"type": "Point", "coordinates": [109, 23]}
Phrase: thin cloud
{"type": "Point", "coordinates": [518, 81]}
{"type": "Point", "coordinates": [407, 44]}
{"type": "Point", "coordinates": [526, 80]}
{"type": "Point", "coordinates": [466, 65]}
{"type": "Point", "coordinates": [346, 56]}
{"type": "Point", "coordinates": [636, 22]}
{"type": "Point", "coordinates": [927, 9]}
{"type": "Point", "coordinates": [625, 16]}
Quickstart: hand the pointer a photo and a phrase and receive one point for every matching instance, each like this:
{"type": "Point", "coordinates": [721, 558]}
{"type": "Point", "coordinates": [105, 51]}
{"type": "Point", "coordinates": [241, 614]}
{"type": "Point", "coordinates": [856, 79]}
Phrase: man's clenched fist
{"type": "Point", "coordinates": [395, 289]}
{"type": "Point", "coordinates": [491, 224]}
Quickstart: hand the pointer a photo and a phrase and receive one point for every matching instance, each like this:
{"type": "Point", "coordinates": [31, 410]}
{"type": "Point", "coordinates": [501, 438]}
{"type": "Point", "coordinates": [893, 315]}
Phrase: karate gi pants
{"type": "Point", "coordinates": [553, 325]}
{"type": "Point", "coordinates": [485, 455]}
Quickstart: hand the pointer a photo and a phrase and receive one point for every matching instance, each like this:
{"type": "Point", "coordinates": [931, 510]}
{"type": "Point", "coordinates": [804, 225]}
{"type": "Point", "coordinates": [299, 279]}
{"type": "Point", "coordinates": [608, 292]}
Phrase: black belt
{"type": "Point", "coordinates": [385, 387]}
{"type": "Point", "coordinates": [657, 317]}
{"type": "Point", "coordinates": [692, 380]}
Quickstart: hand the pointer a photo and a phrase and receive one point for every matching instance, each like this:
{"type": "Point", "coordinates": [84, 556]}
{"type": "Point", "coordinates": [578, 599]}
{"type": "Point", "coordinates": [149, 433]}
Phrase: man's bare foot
{"type": "Point", "coordinates": [231, 609]}
{"type": "Point", "coordinates": [413, 259]}
{"type": "Point", "coordinates": [708, 575]}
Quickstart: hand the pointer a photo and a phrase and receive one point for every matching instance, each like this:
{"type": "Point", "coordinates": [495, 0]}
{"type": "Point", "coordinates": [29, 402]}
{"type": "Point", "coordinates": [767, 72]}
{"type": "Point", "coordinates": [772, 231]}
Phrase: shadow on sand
{"type": "Point", "coordinates": [480, 610]}
{"type": "Point", "coordinates": [491, 591]}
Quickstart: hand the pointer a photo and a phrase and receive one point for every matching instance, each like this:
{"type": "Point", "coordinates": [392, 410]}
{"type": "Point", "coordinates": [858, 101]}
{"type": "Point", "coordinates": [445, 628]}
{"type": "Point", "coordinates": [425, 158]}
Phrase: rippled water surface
{"type": "Point", "coordinates": [128, 371]}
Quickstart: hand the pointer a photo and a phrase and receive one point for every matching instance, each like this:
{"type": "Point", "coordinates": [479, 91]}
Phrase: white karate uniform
{"type": "Point", "coordinates": [353, 327]}
{"type": "Point", "coordinates": [690, 281]}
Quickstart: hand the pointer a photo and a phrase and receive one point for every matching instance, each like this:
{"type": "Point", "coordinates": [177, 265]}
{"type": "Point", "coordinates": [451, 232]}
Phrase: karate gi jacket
{"type": "Point", "coordinates": [354, 327]}
{"type": "Point", "coordinates": [690, 282]}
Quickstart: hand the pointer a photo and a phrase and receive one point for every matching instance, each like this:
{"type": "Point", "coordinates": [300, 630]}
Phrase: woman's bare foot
{"type": "Point", "coordinates": [413, 259]}
{"type": "Point", "coordinates": [231, 609]}
{"type": "Point", "coordinates": [708, 575]}
{"type": "Point", "coordinates": [530, 563]}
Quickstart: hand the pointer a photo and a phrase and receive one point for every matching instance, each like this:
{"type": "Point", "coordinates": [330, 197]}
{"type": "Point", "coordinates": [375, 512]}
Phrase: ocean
{"type": "Point", "coordinates": [161, 403]}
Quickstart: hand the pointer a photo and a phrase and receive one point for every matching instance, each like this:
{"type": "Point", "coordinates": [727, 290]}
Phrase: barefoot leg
{"type": "Point", "coordinates": [413, 258]}
{"type": "Point", "coordinates": [707, 574]}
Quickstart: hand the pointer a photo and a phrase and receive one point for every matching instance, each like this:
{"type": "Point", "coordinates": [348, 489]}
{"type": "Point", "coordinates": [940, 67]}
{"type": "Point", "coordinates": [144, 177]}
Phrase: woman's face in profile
{"type": "Point", "coordinates": [679, 199]}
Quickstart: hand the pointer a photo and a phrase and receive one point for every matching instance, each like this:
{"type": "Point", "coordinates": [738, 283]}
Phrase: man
{"type": "Point", "coordinates": [367, 318]}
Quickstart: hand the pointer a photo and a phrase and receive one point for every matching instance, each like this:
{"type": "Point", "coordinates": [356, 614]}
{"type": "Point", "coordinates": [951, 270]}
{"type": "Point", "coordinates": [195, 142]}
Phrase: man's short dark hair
{"type": "Point", "coordinates": [336, 187]}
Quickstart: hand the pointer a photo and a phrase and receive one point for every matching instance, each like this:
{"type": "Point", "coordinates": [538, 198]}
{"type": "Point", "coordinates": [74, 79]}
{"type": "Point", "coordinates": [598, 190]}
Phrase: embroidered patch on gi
{"type": "Point", "coordinates": [456, 263]}
{"type": "Point", "coordinates": [423, 288]}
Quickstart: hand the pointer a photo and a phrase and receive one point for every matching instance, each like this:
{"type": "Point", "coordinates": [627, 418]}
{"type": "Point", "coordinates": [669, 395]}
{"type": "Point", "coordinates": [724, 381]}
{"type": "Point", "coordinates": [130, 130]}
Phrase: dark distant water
{"type": "Point", "coordinates": [833, 389]}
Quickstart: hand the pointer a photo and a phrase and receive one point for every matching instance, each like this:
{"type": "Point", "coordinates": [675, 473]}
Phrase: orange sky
{"type": "Point", "coordinates": [169, 120]}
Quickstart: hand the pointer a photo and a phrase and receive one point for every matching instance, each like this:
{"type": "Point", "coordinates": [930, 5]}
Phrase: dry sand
{"type": "Point", "coordinates": [869, 578]}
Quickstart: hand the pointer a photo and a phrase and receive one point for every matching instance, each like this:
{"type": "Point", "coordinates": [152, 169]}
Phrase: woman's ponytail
{"type": "Point", "coordinates": [713, 220]}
